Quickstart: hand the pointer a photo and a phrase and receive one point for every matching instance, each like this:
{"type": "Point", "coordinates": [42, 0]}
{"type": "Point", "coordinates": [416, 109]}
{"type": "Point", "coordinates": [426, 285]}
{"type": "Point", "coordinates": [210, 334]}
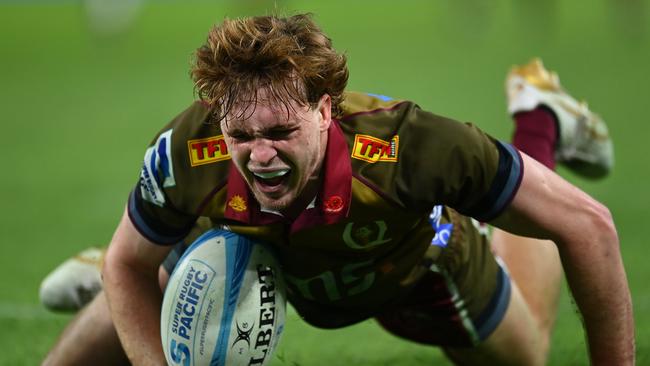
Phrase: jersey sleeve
{"type": "Point", "coordinates": [159, 208]}
{"type": "Point", "coordinates": [457, 164]}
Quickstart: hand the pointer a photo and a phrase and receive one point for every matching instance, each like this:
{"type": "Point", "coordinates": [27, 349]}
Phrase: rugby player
{"type": "Point", "coordinates": [374, 207]}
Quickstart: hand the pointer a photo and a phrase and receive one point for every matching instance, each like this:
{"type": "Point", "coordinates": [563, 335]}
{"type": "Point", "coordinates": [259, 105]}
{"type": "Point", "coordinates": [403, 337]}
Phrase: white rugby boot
{"type": "Point", "coordinates": [74, 282]}
{"type": "Point", "coordinates": [584, 145]}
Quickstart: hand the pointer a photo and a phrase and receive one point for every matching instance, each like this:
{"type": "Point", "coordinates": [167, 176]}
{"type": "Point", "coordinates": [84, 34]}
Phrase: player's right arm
{"type": "Point", "coordinates": [130, 277]}
{"type": "Point", "coordinates": [548, 207]}
{"type": "Point", "coordinates": [160, 213]}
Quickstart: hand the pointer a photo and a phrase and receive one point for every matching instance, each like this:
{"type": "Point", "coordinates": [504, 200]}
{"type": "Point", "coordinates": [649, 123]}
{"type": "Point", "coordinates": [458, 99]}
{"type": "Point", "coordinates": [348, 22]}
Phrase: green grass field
{"type": "Point", "coordinates": [78, 108]}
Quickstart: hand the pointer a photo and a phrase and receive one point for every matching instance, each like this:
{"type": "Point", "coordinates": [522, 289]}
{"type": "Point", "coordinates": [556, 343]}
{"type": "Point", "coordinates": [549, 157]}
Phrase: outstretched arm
{"type": "Point", "coordinates": [548, 207]}
{"type": "Point", "coordinates": [131, 283]}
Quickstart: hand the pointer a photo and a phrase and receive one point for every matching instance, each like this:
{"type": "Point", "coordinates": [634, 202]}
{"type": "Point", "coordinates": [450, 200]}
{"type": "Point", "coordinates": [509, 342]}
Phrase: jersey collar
{"type": "Point", "coordinates": [332, 203]}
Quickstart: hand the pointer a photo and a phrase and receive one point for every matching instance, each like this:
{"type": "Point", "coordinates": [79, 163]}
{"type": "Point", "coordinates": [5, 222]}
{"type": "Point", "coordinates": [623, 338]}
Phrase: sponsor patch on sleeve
{"type": "Point", "coordinates": [207, 150]}
{"type": "Point", "coordinates": [443, 230]}
{"type": "Point", "coordinates": [157, 170]}
{"type": "Point", "coordinates": [372, 149]}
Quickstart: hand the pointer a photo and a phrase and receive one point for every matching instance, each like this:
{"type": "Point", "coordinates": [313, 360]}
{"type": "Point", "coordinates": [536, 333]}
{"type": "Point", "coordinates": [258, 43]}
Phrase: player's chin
{"type": "Point", "coordinates": [276, 201]}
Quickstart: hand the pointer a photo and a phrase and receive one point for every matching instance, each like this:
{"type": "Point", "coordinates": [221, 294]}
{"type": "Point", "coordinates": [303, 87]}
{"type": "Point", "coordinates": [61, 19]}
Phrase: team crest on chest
{"type": "Point", "coordinates": [237, 203]}
{"type": "Point", "coordinates": [366, 236]}
{"type": "Point", "coordinates": [372, 149]}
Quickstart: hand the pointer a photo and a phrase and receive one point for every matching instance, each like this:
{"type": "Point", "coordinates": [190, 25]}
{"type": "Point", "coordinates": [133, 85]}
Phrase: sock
{"type": "Point", "coordinates": [536, 134]}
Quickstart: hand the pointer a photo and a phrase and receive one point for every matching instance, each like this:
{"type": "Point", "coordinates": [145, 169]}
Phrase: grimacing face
{"type": "Point", "coordinates": [279, 152]}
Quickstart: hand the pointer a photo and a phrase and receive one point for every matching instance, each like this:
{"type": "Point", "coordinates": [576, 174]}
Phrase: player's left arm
{"type": "Point", "coordinates": [548, 207]}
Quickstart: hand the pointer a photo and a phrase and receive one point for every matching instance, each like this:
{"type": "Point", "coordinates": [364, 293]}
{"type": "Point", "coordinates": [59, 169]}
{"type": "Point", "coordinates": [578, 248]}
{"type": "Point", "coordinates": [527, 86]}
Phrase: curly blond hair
{"type": "Point", "coordinates": [291, 58]}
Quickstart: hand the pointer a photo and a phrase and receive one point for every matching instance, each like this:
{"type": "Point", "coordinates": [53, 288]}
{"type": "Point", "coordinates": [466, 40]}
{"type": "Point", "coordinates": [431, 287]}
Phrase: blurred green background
{"type": "Point", "coordinates": [84, 86]}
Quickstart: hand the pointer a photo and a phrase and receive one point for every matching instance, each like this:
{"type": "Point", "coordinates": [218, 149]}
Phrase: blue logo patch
{"type": "Point", "coordinates": [443, 231]}
{"type": "Point", "coordinates": [157, 170]}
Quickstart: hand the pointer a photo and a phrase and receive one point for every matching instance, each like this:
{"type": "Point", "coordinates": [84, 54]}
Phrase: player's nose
{"type": "Point", "coordinates": [262, 152]}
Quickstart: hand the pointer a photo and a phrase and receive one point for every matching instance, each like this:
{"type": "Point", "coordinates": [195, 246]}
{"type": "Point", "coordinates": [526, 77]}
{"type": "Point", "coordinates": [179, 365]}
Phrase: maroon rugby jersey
{"type": "Point", "coordinates": [388, 163]}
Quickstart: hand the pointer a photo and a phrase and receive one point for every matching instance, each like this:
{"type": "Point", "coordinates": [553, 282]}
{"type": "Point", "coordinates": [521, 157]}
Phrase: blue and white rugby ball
{"type": "Point", "coordinates": [225, 303]}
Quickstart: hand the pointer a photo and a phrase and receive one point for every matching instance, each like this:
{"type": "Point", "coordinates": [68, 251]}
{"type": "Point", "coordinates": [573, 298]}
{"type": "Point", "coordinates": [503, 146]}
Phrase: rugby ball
{"type": "Point", "coordinates": [225, 303]}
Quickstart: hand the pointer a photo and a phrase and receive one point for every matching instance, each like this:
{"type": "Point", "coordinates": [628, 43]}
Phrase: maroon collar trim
{"type": "Point", "coordinates": [333, 201]}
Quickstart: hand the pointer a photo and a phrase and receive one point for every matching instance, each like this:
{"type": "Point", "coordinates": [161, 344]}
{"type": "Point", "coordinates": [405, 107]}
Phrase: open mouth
{"type": "Point", "coordinates": [272, 179]}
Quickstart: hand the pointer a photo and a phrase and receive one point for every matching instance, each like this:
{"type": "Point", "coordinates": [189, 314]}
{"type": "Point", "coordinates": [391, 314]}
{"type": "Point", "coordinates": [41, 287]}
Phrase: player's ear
{"type": "Point", "coordinates": [325, 112]}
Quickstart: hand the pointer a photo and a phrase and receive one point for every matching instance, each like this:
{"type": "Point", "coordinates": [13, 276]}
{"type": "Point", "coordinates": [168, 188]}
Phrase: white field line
{"type": "Point", "coordinates": [25, 311]}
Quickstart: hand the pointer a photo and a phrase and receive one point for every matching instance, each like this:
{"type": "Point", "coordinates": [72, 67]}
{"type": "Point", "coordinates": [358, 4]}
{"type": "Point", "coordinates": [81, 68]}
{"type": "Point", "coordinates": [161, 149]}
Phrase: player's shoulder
{"type": "Point", "coordinates": [193, 121]}
{"type": "Point", "coordinates": [369, 109]}
{"type": "Point", "coordinates": [192, 137]}
{"type": "Point", "coordinates": [189, 151]}
{"type": "Point", "coordinates": [385, 117]}
{"type": "Point", "coordinates": [357, 104]}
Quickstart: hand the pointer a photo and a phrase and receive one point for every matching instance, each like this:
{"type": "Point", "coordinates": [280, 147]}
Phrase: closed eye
{"type": "Point", "coordinates": [240, 136]}
{"type": "Point", "coordinates": [280, 134]}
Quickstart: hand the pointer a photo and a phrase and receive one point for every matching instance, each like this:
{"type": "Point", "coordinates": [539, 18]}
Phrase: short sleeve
{"type": "Point", "coordinates": [160, 206]}
{"type": "Point", "coordinates": [456, 164]}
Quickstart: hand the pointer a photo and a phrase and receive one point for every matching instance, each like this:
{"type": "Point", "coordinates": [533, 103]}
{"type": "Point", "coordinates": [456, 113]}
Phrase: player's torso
{"type": "Point", "coordinates": [354, 265]}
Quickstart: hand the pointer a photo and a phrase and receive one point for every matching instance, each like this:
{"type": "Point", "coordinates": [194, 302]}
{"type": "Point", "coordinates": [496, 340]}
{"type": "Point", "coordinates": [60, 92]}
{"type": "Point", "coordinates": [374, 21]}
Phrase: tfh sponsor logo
{"type": "Point", "coordinates": [208, 150]}
{"type": "Point", "coordinates": [372, 149]}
